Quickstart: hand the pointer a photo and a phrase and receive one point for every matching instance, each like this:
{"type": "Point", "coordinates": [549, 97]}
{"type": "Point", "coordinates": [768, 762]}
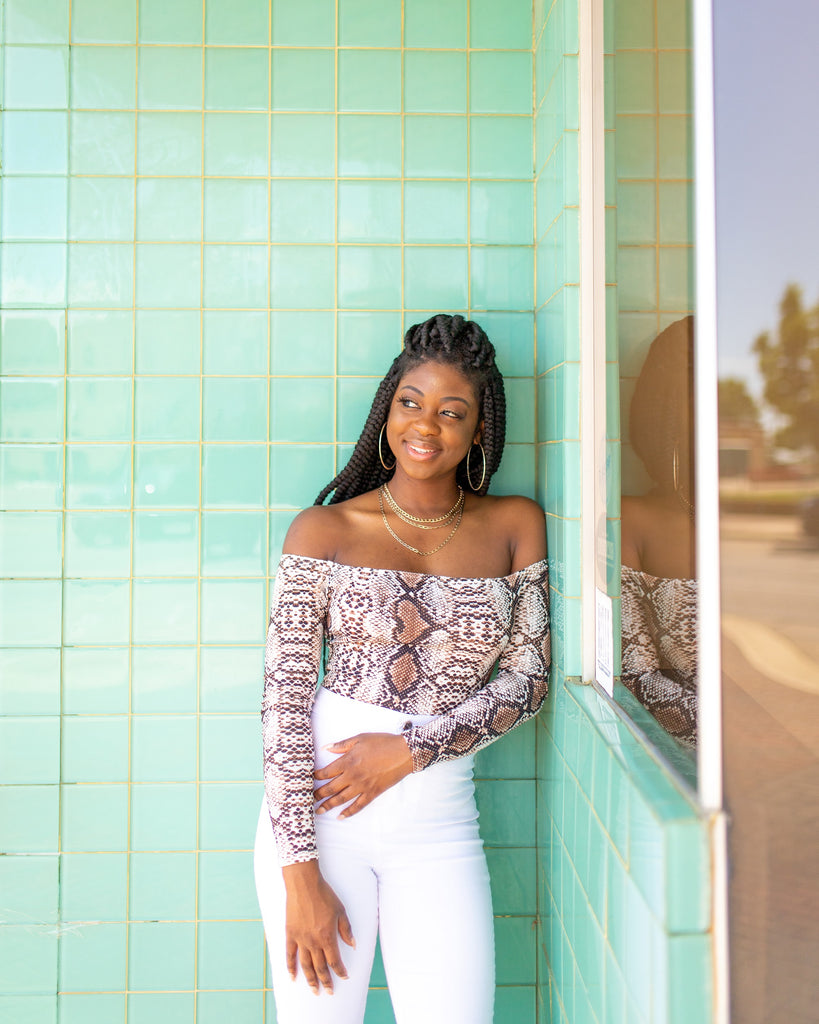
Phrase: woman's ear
{"type": "Point", "coordinates": [478, 438]}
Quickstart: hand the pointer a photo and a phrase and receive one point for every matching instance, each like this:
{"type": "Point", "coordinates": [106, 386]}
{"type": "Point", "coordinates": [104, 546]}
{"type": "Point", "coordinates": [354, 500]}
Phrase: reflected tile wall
{"type": "Point", "coordinates": [216, 223]}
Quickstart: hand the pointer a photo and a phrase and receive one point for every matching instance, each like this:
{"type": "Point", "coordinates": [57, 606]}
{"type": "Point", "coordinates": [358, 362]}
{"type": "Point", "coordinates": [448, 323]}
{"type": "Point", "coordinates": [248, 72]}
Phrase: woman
{"type": "Point", "coordinates": [418, 582]}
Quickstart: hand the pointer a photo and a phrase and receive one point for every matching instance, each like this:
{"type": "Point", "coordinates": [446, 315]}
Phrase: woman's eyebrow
{"type": "Point", "coordinates": [446, 398]}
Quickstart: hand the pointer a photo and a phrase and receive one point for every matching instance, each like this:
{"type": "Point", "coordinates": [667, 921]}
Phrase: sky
{"type": "Point", "coordinates": [766, 75]}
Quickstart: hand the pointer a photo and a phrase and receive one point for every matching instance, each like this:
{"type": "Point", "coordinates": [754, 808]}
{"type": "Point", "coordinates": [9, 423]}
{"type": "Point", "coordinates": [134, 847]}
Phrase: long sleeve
{"type": "Point", "coordinates": [514, 695]}
{"type": "Point", "coordinates": [292, 658]}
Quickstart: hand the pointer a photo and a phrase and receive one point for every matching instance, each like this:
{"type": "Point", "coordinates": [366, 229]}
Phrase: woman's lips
{"type": "Point", "coordinates": [420, 451]}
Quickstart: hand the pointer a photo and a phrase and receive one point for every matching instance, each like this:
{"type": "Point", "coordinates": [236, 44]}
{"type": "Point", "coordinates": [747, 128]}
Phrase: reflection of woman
{"type": "Point", "coordinates": [419, 583]}
{"type": "Point", "coordinates": [659, 593]}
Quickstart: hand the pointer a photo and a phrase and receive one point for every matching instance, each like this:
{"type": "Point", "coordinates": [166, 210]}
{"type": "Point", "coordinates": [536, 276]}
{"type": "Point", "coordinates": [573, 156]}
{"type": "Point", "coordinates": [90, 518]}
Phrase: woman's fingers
{"type": "Point", "coordinates": [290, 953]}
{"type": "Point", "coordinates": [358, 805]}
{"type": "Point", "coordinates": [322, 971]}
{"type": "Point", "coordinates": [310, 976]}
{"type": "Point", "coordinates": [345, 929]}
{"type": "Point", "coordinates": [343, 797]}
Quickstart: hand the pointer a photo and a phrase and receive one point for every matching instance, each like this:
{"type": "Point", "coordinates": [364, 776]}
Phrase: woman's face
{"type": "Point", "coordinates": [433, 420]}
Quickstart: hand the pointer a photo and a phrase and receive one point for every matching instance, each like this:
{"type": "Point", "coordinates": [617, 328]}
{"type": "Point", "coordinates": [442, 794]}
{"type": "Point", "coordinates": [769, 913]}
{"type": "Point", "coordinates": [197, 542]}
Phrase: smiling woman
{"type": "Point", "coordinates": [369, 823]}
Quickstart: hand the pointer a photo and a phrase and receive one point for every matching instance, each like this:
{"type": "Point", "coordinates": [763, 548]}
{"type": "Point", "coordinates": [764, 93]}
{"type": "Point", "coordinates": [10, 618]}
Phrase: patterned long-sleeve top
{"type": "Point", "coordinates": [412, 642]}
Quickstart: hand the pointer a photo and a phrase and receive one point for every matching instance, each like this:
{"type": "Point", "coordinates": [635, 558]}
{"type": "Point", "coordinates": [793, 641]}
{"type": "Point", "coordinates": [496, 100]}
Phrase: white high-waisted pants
{"type": "Point", "coordinates": [409, 868]}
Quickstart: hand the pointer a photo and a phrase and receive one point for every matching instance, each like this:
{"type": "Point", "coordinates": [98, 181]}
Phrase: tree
{"type": "Point", "coordinates": [789, 363]}
{"type": "Point", "coordinates": [736, 403]}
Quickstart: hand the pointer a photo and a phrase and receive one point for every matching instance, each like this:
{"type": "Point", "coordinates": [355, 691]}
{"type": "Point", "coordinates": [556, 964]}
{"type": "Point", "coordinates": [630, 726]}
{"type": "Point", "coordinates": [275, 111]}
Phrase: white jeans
{"type": "Point", "coordinates": [409, 868]}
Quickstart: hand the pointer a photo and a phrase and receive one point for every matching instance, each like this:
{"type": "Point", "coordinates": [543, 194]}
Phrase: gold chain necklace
{"type": "Point", "coordinates": [409, 547]}
{"type": "Point", "coordinates": [434, 523]}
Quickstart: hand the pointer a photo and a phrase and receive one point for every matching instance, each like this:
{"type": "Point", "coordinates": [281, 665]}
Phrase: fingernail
{"type": "Point", "coordinates": [321, 810]}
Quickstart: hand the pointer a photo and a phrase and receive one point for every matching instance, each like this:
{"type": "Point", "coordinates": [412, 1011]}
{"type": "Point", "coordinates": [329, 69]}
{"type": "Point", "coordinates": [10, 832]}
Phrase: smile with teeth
{"type": "Point", "coordinates": [419, 450]}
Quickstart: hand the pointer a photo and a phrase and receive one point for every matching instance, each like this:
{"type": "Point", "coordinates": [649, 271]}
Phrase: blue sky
{"type": "Point", "coordinates": [767, 167]}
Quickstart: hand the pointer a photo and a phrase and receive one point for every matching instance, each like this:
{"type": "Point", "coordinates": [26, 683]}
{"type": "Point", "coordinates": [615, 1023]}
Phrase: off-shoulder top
{"type": "Point", "coordinates": [412, 642]}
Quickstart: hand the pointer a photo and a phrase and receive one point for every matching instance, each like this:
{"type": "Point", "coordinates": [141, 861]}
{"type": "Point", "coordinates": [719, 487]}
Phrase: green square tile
{"type": "Point", "coordinates": [170, 78]}
{"type": "Point", "coordinates": [28, 960]}
{"type": "Point", "coordinates": [100, 342]}
{"type": "Point", "coordinates": [510, 757]}
{"type": "Point", "coordinates": [303, 79]}
{"type": "Point", "coordinates": [302, 343]}
{"type": "Point", "coordinates": [233, 611]}
{"type": "Point", "coordinates": [226, 887]}
{"type": "Point", "coordinates": [635, 83]}
{"type": "Point", "coordinates": [166, 476]}
{"type": "Point", "coordinates": [676, 213]}
{"type": "Point", "coordinates": [435, 147]}
{"type": "Point", "coordinates": [435, 82]}
{"type": "Point", "coordinates": [29, 819]}
{"type": "Point", "coordinates": [379, 1007]}
{"type": "Point", "coordinates": [169, 210]}
{"type": "Point", "coordinates": [367, 342]}
{"type": "Point", "coordinates": [362, 24]}
{"type": "Point", "coordinates": [161, 955]}
{"type": "Point", "coordinates": [164, 611]}
{"type": "Point", "coordinates": [163, 680]}
{"type": "Point", "coordinates": [34, 209]}
{"type": "Point", "coordinates": [301, 211]}
{"type": "Point", "coordinates": [95, 612]}
{"type": "Point", "coordinates": [369, 211]}
{"type": "Point", "coordinates": [355, 398]}
{"type": "Point", "coordinates": [512, 874]}
{"type": "Point", "coordinates": [32, 341]}
{"type": "Point", "coordinates": [29, 681]}
{"type": "Point", "coordinates": [99, 409]}
{"type": "Point", "coordinates": [493, 27]}
{"type": "Point", "coordinates": [636, 147]}
{"type": "Point", "coordinates": [95, 680]}
{"type": "Point", "coordinates": [515, 948]}
{"type": "Point", "coordinates": [301, 409]}
{"type": "Point", "coordinates": [298, 473]}
{"type": "Point", "coordinates": [229, 682]}
{"type": "Point", "coordinates": [634, 25]}
{"type": "Point", "coordinates": [369, 277]}
{"type": "Point", "coordinates": [30, 544]}
{"type": "Point", "coordinates": [507, 812]}
{"type": "Point", "coordinates": [302, 277]}
{"type": "Point", "coordinates": [162, 886]}
{"type": "Point", "coordinates": [169, 1007]}
{"type": "Point", "coordinates": [169, 143]}
{"type": "Point", "coordinates": [636, 213]}
{"type": "Point", "coordinates": [236, 79]}
{"type": "Point", "coordinates": [233, 476]}
{"type": "Point", "coordinates": [302, 144]}
{"type": "Point", "coordinates": [229, 749]}
{"type": "Point", "coordinates": [676, 147]}
{"type": "Point", "coordinates": [500, 147]}
{"type": "Point", "coordinates": [233, 543]}
{"type": "Point", "coordinates": [675, 83]}
{"type": "Point", "coordinates": [235, 210]}
{"type": "Point", "coordinates": [435, 211]}
{"type": "Point", "coordinates": [95, 749]}
{"type": "Point", "coordinates": [30, 613]}
{"type": "Point", "coordinates": [36, 21]}
{"type": "Point", "coordinates": [436, 277]}
{"type": "Point", "coordinates": [369, 145]}
{"type": "Point", "coordinates": [428, 23]}
{"type": "Point", "coordinates": [512, 334]}
{"type": "Point", "coordinates": [636, 278]}
{"type": "Point", "coordinates": [35, 142]}
{"type": "Point", "coordinates": [311, 23]}
{"type": "Point", "coordinates": [279, 525]}
{"type": "Point", "coordinates": [90, 1008]}
{"type": "Point", "coordinates": [33, 274]}
{"type": "Point", "coordinates": [102, 142]}
{"type": "Point", "coordinates": [29, 750]}
{"type": "Point", "coordinates": [515, 1002]}
{"type": "Point", "coordinates": [236, 144]}
{"type": "Point", "coordinates": [369, 80]}
{"type": "Point", "coordinates": [163, 817]}
{"type": "Point", "coordinates": [501, 212]}
{"type": "Point", "coordinates": [101, 209]}
{"type": "Point", "coordinates": [167, 408]}
{"type": "Point", "coordinates": [97, 544]}
{"type": "Point", "coordinates": [234, 409]}
{"type": "Point", "coordinates": [93, 886]}
{"type": "Point", "coordinates": [228, 954]}
{"type": "Point", "coordinates": [673, 25]}
{"type": "Point", "coordinates": [676, 288]}
{"type": "Point", "coordinates": [163, 748]}
{"type": "Point", "coordinates": [100, 275]}
{"type": "Point", "coordinates": [94, 818]}
{"type": "Point", "coordinates": [228, 813]}
{"type": "Point", "coordinates": [235, 342]}
{"type": "Point", "coordinates": [235, 275]}
{"type": "Point", "coordinates": [103, 77]}
{"type": "Point", "coordinates": [247, 23]}
{"type": "Point", "coordinates": [93, 957]}
{"type": "Point", "coordinates": [98, 476]}
{"type": "Point", "coordinates": [167, 341]}
{"type": "Point", "coordinates": [96, 21]}
{"type": "Point", "coordinates": [239, 1007]}
{"type": "Point", "coordinates": [500, 83]}
{"type": "Point", "coordinates": [180, 22]}
{"type": "Point", "coordinates": [168, 275]}
{"type": "Point", "coordinates": [502, 277]}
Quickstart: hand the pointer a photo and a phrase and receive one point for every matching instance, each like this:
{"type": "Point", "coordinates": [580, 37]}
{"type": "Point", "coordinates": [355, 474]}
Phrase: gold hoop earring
{"type": "Point", "coordinates": [469, 475]}
{"type": "Point", "coordinates": [380, 456]}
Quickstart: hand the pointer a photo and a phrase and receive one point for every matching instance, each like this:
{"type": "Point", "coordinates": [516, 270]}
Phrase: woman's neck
{"type": "Point", "coordinates": [425, 498]}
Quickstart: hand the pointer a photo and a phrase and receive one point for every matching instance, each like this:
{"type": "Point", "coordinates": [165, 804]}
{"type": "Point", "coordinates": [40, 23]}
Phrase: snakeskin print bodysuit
{"type": "Point", "coordinates": [411, 642]}
{"type": "Point", "coordinates": [660, 649]}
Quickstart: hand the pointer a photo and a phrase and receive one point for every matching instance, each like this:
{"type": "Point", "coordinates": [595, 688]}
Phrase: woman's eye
{"type": "Point", "coordinates": [407, 402]}
{"type": "Point", "coordinates": [452, 414]}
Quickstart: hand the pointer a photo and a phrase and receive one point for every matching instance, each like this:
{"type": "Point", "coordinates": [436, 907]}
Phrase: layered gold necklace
{"type": "Point", "coordinates": [433, 523]}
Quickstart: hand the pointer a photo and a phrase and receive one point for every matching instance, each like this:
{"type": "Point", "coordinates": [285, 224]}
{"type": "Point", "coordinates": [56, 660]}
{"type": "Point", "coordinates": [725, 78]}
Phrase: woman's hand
{"type": "Point", "coordinates": [314, 920]}
{"type": "Point", "coordinates": [369, 764]}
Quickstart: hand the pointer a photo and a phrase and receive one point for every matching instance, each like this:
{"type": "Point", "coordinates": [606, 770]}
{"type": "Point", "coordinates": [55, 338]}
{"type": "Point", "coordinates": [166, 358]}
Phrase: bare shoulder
{"type": "Point", "coordinates": [524, 523]}
{"type": "Point", "coordinates": [312, 533]}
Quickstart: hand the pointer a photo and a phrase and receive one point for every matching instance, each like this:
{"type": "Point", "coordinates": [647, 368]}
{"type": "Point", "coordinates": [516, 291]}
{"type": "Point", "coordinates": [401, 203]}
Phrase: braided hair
{"type": "Point", "coordinates": [442, 339]}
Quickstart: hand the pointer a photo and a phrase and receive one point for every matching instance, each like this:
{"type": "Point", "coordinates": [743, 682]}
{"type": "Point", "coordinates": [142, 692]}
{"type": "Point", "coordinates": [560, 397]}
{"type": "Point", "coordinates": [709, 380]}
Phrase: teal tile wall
{"type": "Point", "coordinates": [187, 189]}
